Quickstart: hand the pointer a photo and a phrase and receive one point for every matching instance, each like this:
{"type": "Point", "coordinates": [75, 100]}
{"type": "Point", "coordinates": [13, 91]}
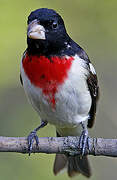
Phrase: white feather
{"type": "Point", "coordinates": [92, 69]}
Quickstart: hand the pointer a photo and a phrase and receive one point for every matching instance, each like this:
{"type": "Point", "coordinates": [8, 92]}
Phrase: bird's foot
{"type": "Point", "coordinates": [83, 141]}
{"type": "Point", "coordinates": [32, 136]}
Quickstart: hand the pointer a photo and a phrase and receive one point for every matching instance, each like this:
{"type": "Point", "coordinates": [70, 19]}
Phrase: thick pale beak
{"type": "Point", "coordinates": [35, 30]}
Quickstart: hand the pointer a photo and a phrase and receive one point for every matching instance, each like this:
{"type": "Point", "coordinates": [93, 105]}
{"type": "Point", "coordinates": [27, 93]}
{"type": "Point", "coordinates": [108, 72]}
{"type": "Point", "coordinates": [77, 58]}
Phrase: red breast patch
{"type": "Point", "coordinates": [46, 73]}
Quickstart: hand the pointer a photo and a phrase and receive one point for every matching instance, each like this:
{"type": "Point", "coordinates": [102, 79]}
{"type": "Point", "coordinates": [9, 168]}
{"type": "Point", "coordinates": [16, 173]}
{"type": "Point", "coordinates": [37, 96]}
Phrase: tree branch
{"type": "Point", "coordinates": [62, 145]}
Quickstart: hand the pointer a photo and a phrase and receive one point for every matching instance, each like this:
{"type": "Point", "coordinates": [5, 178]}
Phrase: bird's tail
{"type": "Point", "coordinates": [73, 164]}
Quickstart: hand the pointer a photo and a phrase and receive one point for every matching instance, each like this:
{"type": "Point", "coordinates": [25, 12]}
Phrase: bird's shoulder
{"type": "Point", "coordinates": [74, 49]}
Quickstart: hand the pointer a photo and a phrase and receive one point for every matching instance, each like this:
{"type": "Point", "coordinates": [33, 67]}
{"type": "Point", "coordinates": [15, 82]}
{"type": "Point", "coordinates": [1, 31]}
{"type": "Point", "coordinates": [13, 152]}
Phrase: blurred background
{"type": "Point", "coordinates": [93, 25]}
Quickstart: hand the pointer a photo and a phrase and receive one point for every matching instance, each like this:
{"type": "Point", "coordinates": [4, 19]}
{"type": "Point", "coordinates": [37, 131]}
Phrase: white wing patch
{"type": "Point", "coordinates": [92, 69]}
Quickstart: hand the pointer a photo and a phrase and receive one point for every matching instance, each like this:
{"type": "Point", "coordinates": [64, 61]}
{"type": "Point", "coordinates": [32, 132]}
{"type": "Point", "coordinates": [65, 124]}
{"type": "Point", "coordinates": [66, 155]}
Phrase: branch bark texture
{"type": "Point", "coordinates": [61, 145]}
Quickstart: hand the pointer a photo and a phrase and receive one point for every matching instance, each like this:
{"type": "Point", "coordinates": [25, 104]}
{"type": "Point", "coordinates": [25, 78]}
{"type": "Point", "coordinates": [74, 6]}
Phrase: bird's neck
{"type": "Point", "coordinates": [45, 48]}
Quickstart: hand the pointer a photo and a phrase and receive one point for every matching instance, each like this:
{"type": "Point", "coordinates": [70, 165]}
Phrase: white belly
{"type": "Point", "coordinates": [73, 100]}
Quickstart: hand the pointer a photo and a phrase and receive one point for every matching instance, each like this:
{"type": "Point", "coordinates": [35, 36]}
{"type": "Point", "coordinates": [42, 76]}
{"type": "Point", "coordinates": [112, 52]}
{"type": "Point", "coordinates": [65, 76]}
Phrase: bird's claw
{"type": "Point", "coordinates": [83, 141]}
{"type": "Point", "coordinates": [30, 139]}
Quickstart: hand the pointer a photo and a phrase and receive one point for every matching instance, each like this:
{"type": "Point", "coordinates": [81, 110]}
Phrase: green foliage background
{"type": "Point", "coordinates": [91, 23]}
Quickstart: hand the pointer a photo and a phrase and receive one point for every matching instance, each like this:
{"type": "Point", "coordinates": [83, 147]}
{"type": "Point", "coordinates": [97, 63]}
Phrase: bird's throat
{"type": "Point", "coordinates": [47, 73]}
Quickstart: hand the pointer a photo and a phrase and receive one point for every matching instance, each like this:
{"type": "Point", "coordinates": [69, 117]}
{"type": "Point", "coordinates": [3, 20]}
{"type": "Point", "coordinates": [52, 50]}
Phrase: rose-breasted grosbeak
{"type": "Point", "coordinates": [61, 84]}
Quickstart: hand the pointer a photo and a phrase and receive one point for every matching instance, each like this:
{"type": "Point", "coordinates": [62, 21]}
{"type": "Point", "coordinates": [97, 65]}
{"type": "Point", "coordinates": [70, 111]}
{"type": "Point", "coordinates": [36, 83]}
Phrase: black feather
{"type": "Point", "coordinates": [94, 91]}
{"type": "Point", "coordinates": [21, 80]}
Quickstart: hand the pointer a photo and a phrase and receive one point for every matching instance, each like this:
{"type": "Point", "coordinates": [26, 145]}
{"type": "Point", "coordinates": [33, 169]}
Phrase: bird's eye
{"type": "Point", "coordinates": [54, 25]}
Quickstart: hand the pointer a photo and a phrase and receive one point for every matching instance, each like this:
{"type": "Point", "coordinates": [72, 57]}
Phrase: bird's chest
{"type": "Point", "coordinates": [57, 89]}
{"type": "Point", "coordinates": [48, 74]}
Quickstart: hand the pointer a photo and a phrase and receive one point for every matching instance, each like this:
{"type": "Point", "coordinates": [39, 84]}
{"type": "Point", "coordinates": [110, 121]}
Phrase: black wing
{"type": "Point", "coordinates": [24, 54]}
{"type": "Point", "coordinates": [21, 80]}
{"type": "Point", "coordinates": [92, 85]}
{"type": "Point", "coordinates": [94, 91]}
{"type": "Point", "coordinates": [91, 80]}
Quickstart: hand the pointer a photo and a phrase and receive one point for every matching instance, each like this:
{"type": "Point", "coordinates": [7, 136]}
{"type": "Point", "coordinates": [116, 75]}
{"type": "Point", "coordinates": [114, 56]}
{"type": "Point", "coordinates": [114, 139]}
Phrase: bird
{"type": "Point", "coordinates": [61, 84]}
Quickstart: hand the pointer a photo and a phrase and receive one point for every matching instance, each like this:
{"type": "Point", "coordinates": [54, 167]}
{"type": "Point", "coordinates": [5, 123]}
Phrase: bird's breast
{"type": "Point", "coordinates": [47, 73]}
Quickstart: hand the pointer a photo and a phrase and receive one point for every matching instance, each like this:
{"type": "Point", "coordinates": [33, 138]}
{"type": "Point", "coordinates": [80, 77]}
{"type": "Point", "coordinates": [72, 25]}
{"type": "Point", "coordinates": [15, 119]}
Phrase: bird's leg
{"type": "Point", "coordinates": [83, 138]}
{"type": "Point", "coordinates": [33, 136]}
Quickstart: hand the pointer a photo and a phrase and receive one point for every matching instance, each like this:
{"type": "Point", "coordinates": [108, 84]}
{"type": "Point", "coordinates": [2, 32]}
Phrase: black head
{"type": "Point", "coordinates": [46, 32]}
